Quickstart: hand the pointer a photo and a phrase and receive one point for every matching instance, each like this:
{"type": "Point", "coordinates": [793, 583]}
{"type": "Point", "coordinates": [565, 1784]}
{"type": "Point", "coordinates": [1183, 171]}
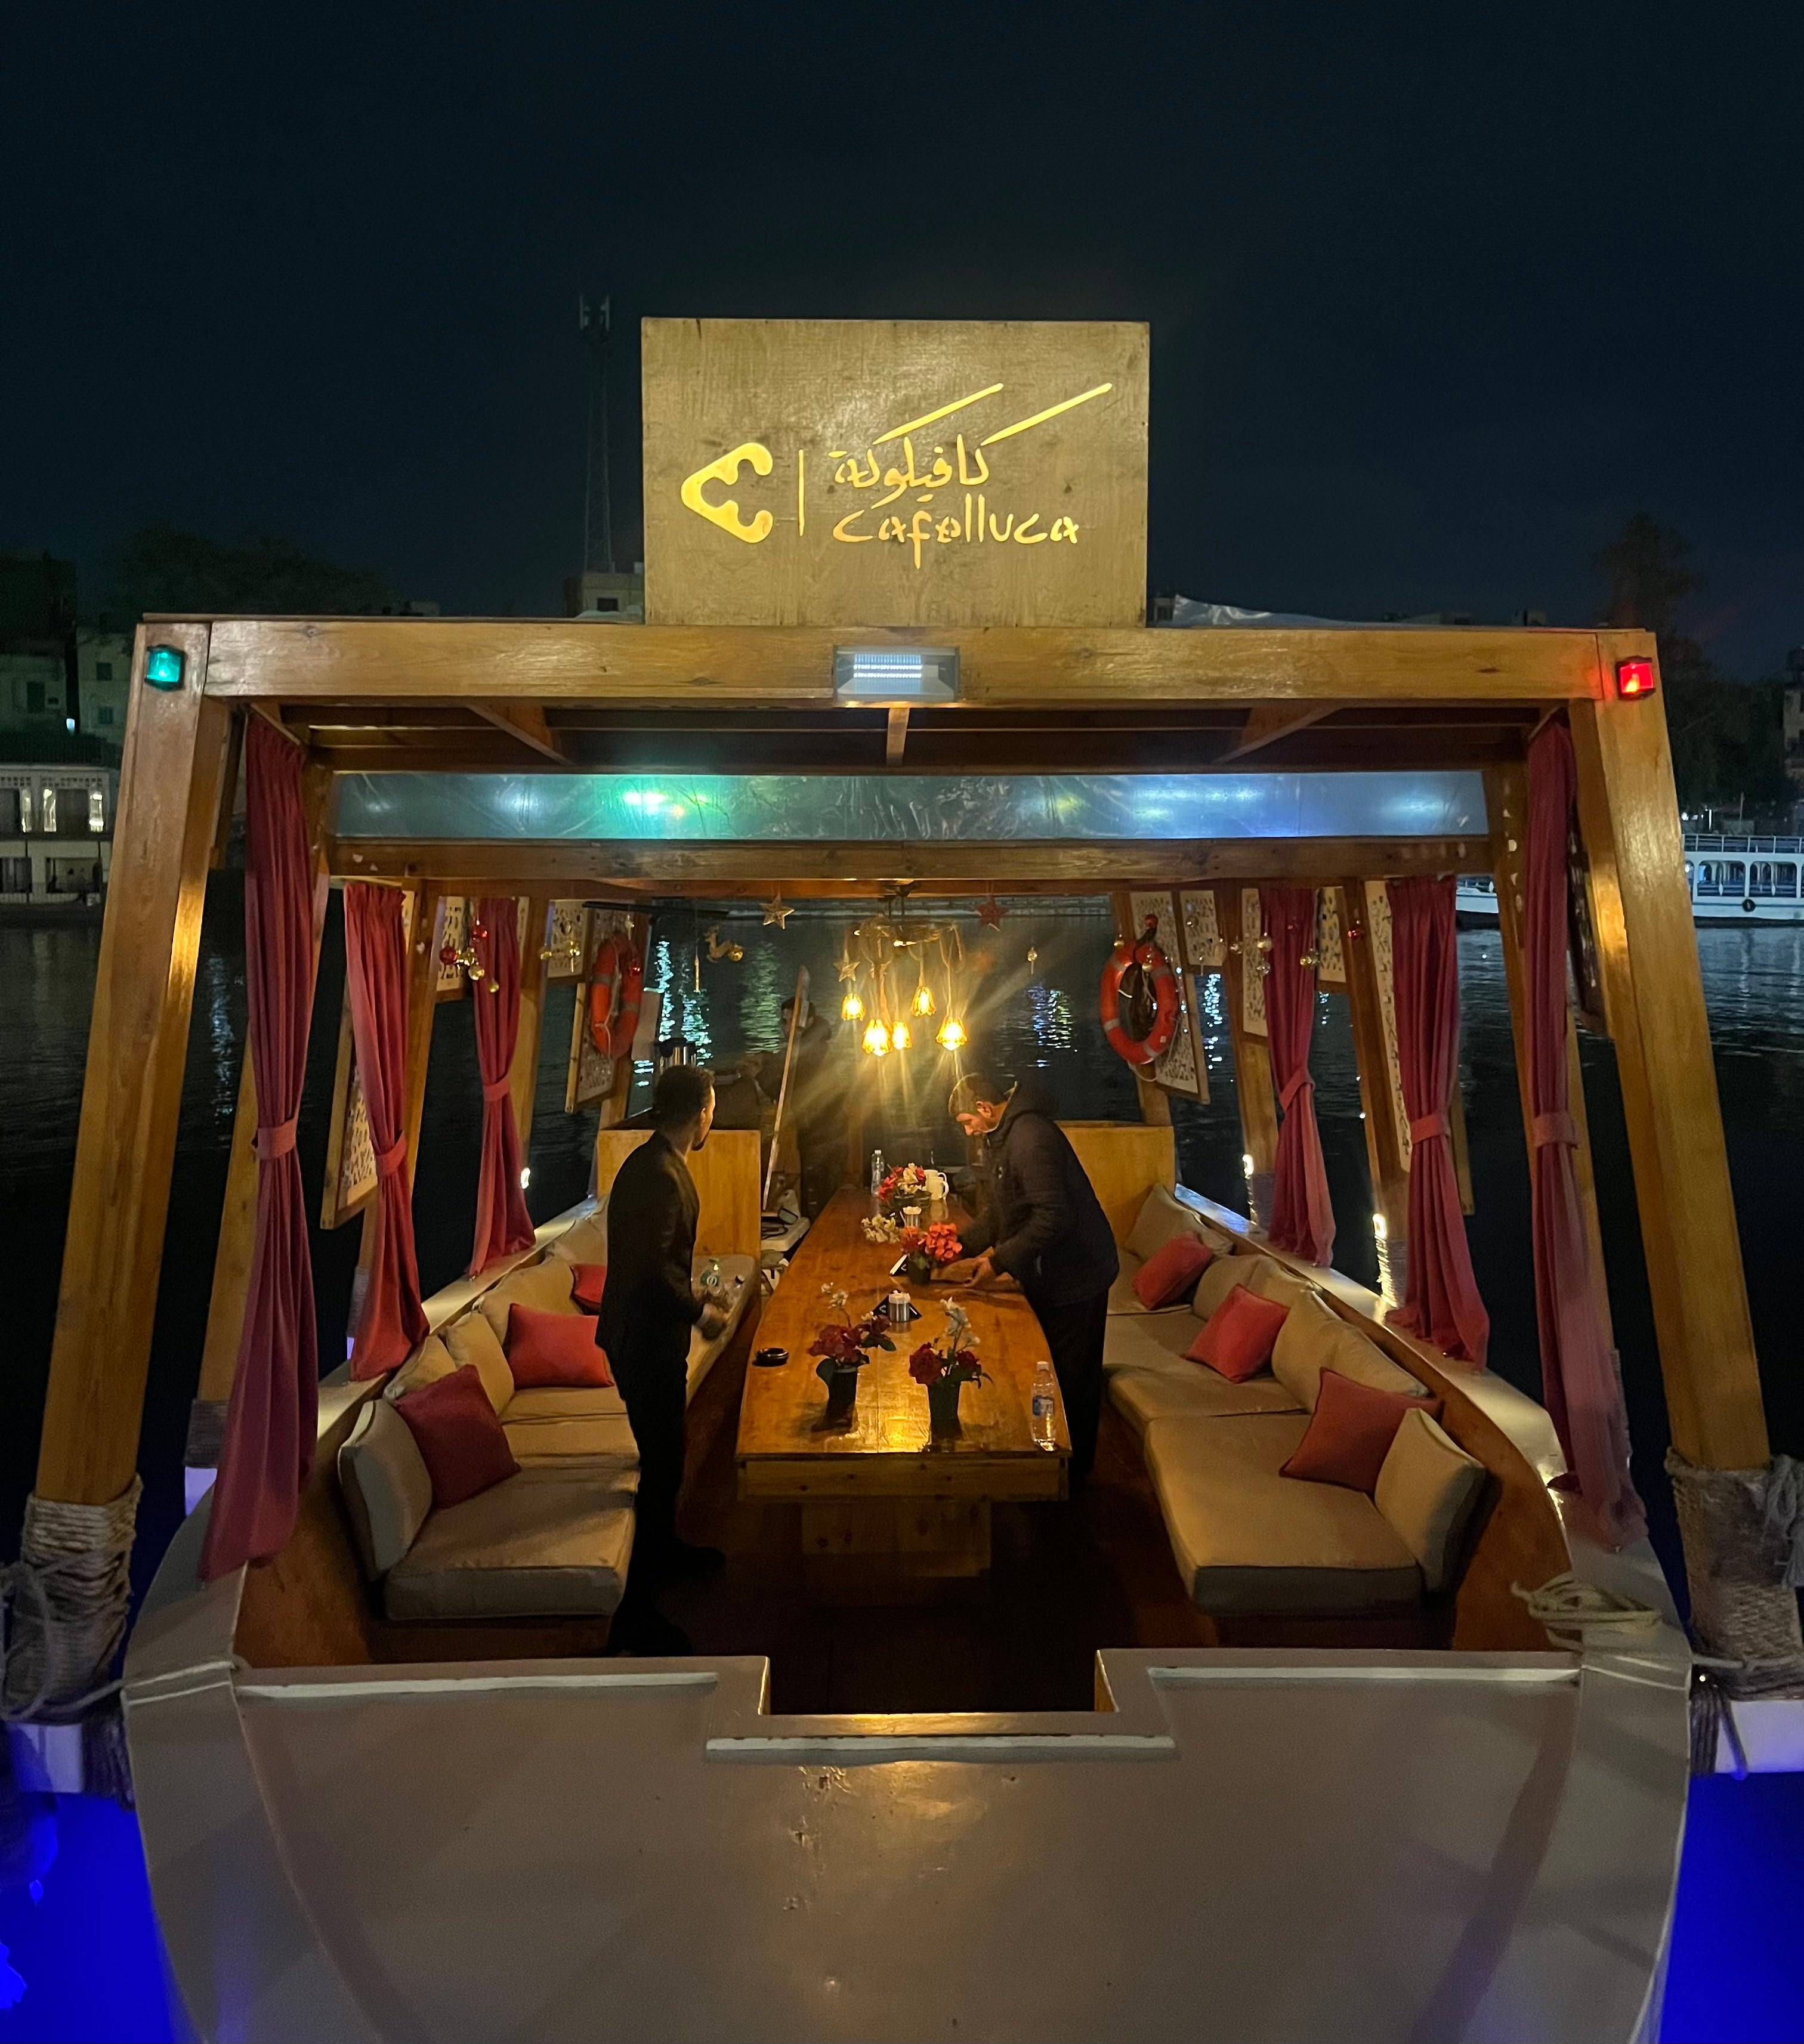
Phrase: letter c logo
{"type": "Point", "coordinates": [725, 514]}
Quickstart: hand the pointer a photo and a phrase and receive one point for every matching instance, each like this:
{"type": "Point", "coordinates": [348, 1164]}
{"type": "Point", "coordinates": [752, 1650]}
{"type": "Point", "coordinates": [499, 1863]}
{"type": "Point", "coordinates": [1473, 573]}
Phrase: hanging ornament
{"type": "Point", "coordinates": [990, 913]}
{"type": "Point", "coordinates": [777, 910]}
{"type": "Point", "coordinates": [1033, 954]}
{"type": "Point", "coordinates": [732, 952]}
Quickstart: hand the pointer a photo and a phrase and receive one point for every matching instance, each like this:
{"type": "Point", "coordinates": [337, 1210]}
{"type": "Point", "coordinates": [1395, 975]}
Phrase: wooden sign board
{"type": "Point", "coordinates": [894, 472]}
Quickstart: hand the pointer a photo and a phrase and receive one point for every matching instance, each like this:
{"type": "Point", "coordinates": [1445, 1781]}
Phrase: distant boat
{"type": "Point", "coordinates": [1738, 880]}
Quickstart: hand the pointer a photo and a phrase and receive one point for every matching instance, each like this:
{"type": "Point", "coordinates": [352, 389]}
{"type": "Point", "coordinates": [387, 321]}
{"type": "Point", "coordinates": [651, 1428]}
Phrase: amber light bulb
{"type": "Point", "coordinates": [951, 1033]}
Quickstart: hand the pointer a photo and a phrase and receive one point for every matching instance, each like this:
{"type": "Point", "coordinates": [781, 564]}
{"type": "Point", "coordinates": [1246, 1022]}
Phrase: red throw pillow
{"type": "Point", "coordinates": [1351, 1432]}
{"type": "Point", "coordinates": [554, 1349]}
{"type": "Point", "coordinates": [1169, 1273]}
{"type": "Point", "coordinates": [1238, 1338]}
{"type": "Point", "coordinates": [586, 1285]}
{"type": "Point", "coordinates": [460, 1440]}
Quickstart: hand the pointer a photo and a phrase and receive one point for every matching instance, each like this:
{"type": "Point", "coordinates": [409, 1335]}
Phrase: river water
{"type": "Point", "coordinates": [1026, 1012]}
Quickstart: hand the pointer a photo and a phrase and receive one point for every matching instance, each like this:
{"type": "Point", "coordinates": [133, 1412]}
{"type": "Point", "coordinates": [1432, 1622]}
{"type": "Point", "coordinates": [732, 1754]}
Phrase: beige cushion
{"type": "Point", "coordinates": [545, 1285]}
{"type": "Point", "coordinates": [1426, 1491]}
{"type": "Point", "coordinates": [429, 1362]}
{"type": "Point", "coordinates": [1315, 1338]}
{"type": "Point", "coordinates": [1220, 1278]}
{"type": "Point", "coordinates": [547, 1543]}
{"type": "Point", "coordinates": [1161, 1215]}
{"type": "Point", "coordinates": [388, 1492]}
{"type": "Point", "coordinates": [605, 1441]}
{"type": "Point", "coordinates": [1272, 1280]}
{"type": "Point", "coordinates": [1246, 1539]}
{"type": "Point", "coordinates": [1195, 1392]}
{"type": "Point", "coordinates": [1148, 1341]}
{"type": "Point", "coordinates": [551, 1401]}
{"type": "Point", "coordinates": [584, 1241]}
{"type": "Point", "coordinates": [471, 1340]}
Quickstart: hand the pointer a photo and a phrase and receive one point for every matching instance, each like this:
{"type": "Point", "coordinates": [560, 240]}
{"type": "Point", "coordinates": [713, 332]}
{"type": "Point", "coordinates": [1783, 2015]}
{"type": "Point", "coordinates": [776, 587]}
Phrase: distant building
{"type": "Point", "coordinates": [598, 594]}
{"type": "Point", "coordinates": [55, 830]}
{"type": "Point", "coordinates": [103, 674]}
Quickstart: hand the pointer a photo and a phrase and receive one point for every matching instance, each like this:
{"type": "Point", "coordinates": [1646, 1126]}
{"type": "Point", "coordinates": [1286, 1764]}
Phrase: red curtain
{"type": "Point", "coordinates": [1440, 1298]}
{"type": "Point", "coordinates": [272, 1419]}
{"type": "Point", "coordinates": [393, 1323]}
{"type": "Point", "coordinates": [502, 1225]}
{"type": "Point", "coordinates": [1302, 1221]}
{"type": "Point", "coordinates": [1580, 1383]}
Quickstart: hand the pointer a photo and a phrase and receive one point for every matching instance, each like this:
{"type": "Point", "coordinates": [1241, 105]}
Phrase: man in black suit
{"type": "Point", "coordinates": [1039, 1221]}
{"type": "Point", "coordinates": [649, 1304]}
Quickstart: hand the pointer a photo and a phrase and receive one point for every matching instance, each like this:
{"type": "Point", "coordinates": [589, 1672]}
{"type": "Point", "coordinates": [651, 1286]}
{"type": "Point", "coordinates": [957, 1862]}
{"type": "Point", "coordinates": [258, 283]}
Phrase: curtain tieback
{"type": "Point", "coordinates": [276, 1138]}
{"type": "Point", "coordinates": [1426, 1127]}
{"type": "Point", "coordinates": [1547, 1128]}
{"type": "Point", "coordinates": [495, 1090]}
{"type": "Point", "coordinates": [1292, 1086]}
{"type": "Point", "coordinates": [390, 1160]}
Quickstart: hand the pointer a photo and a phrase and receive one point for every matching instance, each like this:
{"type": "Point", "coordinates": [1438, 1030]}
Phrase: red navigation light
{"type": "Point", "coordinates": [1634, 677]}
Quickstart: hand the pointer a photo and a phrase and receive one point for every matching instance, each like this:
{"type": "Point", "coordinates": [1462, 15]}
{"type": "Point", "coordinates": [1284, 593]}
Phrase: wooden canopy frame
{"type": "Point", "coordinates": [439, 695]}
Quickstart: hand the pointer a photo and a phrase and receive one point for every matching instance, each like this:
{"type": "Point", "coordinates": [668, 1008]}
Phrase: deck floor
{"type": "Point", "coordinates": [1065, 1579]}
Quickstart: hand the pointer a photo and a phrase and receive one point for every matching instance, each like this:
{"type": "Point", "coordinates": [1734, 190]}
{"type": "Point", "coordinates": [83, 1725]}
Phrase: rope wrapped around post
{"type": "Point", "coordinates": [64, 1605]}
{"type": "Point", "coordinates": [1744, 1536]}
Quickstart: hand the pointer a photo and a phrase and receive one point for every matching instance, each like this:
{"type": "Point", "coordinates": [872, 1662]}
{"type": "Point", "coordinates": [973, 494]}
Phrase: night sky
{"type": "Point", "coordinates": [1437, 297]}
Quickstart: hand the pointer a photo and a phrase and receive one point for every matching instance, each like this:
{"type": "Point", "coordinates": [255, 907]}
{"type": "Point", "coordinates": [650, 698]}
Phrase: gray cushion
{"type": "Point", "coordinates": [1195, 1392]}
{"type": "Point", "coordinates": [387, 1489]}
{"type": "Point", "coordinates": [554, 1402]}
{"type": "Point", "coordinates": [1161, 1215]}
{"type": "Point", "coordinates": [472, 1341]}
{"type": "Point", "coordinates": [1315, 1338]}
{"type": "Point", "coordinates": [1220, 1278]}
{"type": "Point", "coordinates": [605, 1441]}
{"type": "Point", "coordinates": [429, 1362]}
{"type": "Point", "coordinates": [584, 1241]}
{"type": "Point", "coordinates": [544, 1285]}
{"type": "Point", "coordinates": [1246, 1539]}
{"type": "Point", "coordinates": [546, 1543]}
{"type": "Point", "coordinates": [1426, 1491]}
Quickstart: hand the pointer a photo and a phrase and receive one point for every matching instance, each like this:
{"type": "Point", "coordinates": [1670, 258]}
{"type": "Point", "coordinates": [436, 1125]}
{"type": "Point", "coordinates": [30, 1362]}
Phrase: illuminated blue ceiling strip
{"type": "Point", "coordinates": [908, 809]}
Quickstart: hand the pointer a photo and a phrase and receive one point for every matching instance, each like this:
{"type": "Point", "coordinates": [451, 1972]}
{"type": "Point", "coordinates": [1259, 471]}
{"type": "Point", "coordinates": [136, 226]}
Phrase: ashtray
{"type": "Point", "coordinates": [770, 1359]}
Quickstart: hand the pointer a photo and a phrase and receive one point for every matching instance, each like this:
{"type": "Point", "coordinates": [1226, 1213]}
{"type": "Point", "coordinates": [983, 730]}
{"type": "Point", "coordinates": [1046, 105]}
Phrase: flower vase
{"type": "Point", "coordinates": [942, 1406]}
{"type": "Point", "coordinates": [920, 1268]}
{"type": "Point", "coordinates": [842, 1393]}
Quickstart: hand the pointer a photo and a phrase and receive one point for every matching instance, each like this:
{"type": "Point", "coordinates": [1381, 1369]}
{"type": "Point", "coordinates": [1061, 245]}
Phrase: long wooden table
{"type": "Point", "coordinates": [886, 1510]}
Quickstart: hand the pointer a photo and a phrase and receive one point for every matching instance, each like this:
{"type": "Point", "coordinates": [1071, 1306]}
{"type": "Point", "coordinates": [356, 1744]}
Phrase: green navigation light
{"type": "Point", "coordinates": [162, 667]}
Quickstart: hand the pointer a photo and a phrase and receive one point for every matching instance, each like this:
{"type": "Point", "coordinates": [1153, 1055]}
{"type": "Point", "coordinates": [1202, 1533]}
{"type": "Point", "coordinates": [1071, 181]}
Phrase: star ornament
{"type": "Point", "coordinates": [990, 913]}
{"type": "Point", "coordinates": [777, 910]}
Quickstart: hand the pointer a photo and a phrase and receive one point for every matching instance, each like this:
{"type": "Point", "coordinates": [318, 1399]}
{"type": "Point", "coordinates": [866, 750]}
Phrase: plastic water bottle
{"type": "Point", "coordinates": [876, 1171]}
{"type": "Point", "coordinates": [1045, 1404]}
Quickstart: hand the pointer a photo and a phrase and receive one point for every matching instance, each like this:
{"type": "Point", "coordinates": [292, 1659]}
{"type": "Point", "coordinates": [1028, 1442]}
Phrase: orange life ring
{"type": "Point", "coordinates": [616, 988]}
{"type": "Point", "coordinates": [1148, 1049]}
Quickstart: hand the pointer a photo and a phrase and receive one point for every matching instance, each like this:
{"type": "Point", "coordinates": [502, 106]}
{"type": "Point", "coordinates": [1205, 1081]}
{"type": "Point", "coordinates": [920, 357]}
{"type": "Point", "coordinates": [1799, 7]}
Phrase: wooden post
{"type": "Point", "coordinates": [1654, 1003]}
{"type": "Point", "coordinates": [1387, 1155]}
{"type": "Point", "coordinates": [170, 788]}
{"type": "Point", "coordinates": [1507, 801]}
{"type": "Point", "coordinates": [1253, 1096]}
{"type": "Point", "coordinates": [1154, 1104]}
{"type": "Point", "coordinates": [523, 1073]}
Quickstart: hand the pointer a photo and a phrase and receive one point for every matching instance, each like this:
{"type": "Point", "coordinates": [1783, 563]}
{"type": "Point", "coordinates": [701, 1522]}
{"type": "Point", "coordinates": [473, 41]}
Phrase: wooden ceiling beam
{"type": "Point", "coordinates": [524, 721]}
{"type": "Point", "coordinates": [548, 660]}
{"type": "Point", "coordinates": [1268, 722]}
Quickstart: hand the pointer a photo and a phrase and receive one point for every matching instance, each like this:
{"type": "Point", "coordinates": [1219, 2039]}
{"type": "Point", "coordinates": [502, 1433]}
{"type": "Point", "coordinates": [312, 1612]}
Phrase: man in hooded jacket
{"type": "Point", "coordinates": [1040, 1223]}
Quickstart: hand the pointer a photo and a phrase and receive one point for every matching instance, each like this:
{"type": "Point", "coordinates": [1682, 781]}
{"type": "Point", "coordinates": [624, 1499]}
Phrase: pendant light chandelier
{"type": "Point", "coordinates": [873, 951]}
